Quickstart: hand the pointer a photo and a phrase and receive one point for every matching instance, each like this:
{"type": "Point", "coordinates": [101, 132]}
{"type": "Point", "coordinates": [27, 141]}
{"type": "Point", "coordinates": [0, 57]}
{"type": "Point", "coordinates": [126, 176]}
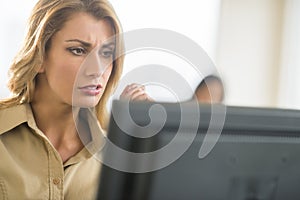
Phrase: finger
{"type": "Point", "coordinates": [134, 89]}
{"type": "Point", "coordinates": [137, 93]}
{"type": "Point", "coordinates": [127, 89]}
{"type": "Point", "coordinates": [130, 90]}
{"type": "Point", "coordinates": [149, 98]}
{"type": "Point", "coordinates": [142, 97]}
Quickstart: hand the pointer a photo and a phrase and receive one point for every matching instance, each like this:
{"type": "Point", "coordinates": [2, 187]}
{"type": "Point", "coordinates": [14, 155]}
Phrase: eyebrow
{"type": "Point", "coordinates": [86, 44]}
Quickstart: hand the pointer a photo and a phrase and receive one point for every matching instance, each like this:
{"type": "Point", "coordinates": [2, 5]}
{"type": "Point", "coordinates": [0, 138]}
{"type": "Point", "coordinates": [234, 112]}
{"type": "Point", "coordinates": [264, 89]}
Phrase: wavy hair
{"type": "Point", "coordinates": [47, 18]}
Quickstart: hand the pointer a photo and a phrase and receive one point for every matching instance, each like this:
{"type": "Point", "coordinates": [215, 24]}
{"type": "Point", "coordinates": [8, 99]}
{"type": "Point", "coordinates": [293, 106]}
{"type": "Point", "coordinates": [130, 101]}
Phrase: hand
{"type": "Point", "coordinates": [134, 92]}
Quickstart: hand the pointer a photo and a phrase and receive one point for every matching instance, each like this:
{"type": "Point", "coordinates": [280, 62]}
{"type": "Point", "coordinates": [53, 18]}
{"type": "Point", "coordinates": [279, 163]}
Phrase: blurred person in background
{"type": "Point", "coordinates": [210, 90]}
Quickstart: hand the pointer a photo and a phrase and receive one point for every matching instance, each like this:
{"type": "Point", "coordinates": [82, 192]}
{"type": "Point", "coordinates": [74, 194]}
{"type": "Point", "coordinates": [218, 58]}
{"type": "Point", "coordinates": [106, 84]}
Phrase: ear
{"type": "Point", "coordinates": [42, 68]}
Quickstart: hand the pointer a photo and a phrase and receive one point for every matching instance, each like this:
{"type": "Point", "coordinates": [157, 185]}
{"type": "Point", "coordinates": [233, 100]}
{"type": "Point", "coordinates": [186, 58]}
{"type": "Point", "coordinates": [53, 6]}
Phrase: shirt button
{"type": "Point", "coordinates": [56, 181]}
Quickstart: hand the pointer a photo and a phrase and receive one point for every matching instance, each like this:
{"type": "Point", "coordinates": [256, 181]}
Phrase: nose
{"type": "Point", "coordinates": [92, 65]}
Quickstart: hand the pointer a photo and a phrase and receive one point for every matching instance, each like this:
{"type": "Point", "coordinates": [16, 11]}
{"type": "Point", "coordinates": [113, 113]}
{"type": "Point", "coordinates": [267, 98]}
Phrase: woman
{"type": "Point", "coordinates": [67, 68]}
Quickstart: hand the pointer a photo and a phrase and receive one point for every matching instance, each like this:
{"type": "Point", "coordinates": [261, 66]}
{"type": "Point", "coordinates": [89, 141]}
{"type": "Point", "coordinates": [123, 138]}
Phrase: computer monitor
{"type": "Point", "coordinates": [256, 157]}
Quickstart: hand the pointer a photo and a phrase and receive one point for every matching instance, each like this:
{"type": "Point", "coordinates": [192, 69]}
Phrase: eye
{"type": "Point", "coordinates": [107, 53]}
{"type": "Point", "coordinates": [78, 51]}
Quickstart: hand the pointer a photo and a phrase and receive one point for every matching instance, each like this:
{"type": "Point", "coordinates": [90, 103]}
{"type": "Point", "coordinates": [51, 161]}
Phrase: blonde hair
{"type": "Point", "coordinates": [48, 17]}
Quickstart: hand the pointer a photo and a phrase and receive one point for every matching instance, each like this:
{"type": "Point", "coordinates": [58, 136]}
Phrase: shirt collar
{"type": "Point", "coordinates": [12, 117]}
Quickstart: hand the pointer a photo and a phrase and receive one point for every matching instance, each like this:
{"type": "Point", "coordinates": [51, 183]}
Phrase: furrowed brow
{"type": "Point", "coordinates": [86, 44]}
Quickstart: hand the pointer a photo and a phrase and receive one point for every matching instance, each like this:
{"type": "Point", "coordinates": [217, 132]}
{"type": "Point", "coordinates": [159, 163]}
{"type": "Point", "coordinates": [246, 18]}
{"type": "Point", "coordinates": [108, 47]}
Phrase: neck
{"type": "Point", "coordinates": [57, 122]}
{"type": "Point", "coordinates": [50, 116]}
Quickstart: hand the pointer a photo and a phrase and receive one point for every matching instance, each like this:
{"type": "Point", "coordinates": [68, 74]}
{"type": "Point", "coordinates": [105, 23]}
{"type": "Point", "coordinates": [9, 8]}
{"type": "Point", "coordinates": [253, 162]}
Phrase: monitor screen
{"type": "Point", "coordinates": [153, 151]}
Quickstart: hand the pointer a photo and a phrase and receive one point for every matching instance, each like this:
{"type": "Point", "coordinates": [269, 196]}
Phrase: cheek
{"type": "Point", "coordinates": [66, 72]}
{"type": "Point", "coordinates": [107, 74]}
{"type": "Point", "coordinates": [63, 73]}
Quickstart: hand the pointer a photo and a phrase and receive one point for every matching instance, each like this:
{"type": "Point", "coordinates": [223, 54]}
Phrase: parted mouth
{"type": "Point", "coordinates": [91, 90]}
{"type": "Point", "coordinates": [91, 87]}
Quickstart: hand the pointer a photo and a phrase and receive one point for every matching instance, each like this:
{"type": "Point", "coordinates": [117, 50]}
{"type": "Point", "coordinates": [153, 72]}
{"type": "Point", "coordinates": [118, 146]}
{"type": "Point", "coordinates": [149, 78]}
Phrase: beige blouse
{"type": "Point", "coordinates": [31, 168]}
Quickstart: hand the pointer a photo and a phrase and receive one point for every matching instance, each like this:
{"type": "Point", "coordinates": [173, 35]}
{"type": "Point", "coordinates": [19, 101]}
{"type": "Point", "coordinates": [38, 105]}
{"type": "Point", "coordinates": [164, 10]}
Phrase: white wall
{"type": "Point", "coordinates": [289, 84]}
{"type": "Point", "coordinates": [12, 20]}
{"type": "Point", "coordinates": [249, 51]}
{"type": "Point", "coordinates": [197, 20]}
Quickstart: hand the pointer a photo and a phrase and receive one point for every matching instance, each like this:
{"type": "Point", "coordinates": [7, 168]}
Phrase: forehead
{"type": "Point", "coordinates": [85, 27]}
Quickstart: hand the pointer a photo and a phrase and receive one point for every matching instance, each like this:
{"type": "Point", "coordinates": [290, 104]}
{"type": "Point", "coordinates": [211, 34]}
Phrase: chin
{"type": "Point", "coordinates": [86, 102]}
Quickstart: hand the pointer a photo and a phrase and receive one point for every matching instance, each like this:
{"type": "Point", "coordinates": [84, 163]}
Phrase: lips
{"type": "Point", "coordinates": [91, 87]}
{"type": "Point", "coordinates": [91, 90]}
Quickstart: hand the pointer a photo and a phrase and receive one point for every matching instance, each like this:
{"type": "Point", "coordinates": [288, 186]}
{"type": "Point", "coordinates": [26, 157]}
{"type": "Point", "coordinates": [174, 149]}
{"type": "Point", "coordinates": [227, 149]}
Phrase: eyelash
{"type": "Point", "coordinates": [107, 54]}
{"type": "Point", "coordinates": [74, 49]}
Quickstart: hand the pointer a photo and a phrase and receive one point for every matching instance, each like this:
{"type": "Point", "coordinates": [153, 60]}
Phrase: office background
{"type": "Point", "coordinates": [255, 44]}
